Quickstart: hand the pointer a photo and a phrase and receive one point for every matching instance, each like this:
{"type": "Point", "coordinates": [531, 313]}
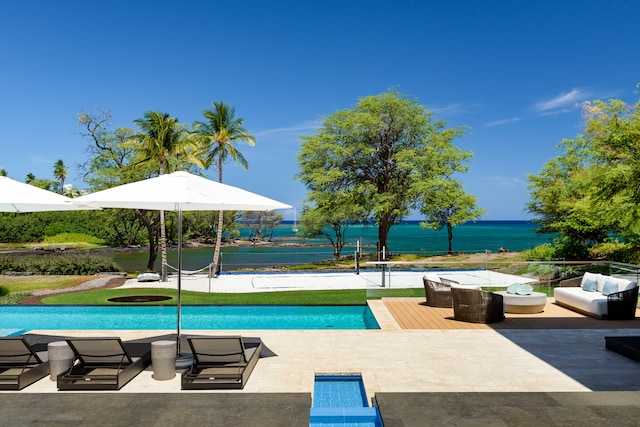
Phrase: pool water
{"type": "Point", "coordinates": [82, 317]}
{"type": "Point", "coordinates": [341, 400]}
{"type": "Point", "coordinates": [333, 391]}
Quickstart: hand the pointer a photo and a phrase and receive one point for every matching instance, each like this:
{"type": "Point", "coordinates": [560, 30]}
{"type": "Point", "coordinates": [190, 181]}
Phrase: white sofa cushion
{"type": "Point", "coordinates": [432, 276]}
{"type": "Point", "coordinates": [592, 302]}
{"type": "Point", "coordinates": [472, 287]}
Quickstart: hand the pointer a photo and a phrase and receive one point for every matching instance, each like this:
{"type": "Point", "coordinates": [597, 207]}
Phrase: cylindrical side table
{"type": "Point", "coordinates": [60, 358]}
{"type": "Point", "coordinates": [163, 359]}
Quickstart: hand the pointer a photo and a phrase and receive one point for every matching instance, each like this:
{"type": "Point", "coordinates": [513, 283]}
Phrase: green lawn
{"type": "Point", "coordinates": [37, 282]}
{"type": "Point", "coordinates": [330, 297]}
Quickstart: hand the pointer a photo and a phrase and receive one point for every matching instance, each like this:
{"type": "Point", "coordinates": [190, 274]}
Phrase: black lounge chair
{"type": "Point", "coordinates": [20, 365]}
{"type": "Point", "coordinates": [104, 363]}
{"type": "Point", "coordinates": [224, 362]}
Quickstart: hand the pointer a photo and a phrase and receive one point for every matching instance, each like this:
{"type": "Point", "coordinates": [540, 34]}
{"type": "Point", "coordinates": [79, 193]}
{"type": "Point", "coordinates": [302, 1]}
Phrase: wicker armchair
{"type": "Point", "coordinates": [437, 290]}
{"type": "Point", "coordinates": [474, 305]}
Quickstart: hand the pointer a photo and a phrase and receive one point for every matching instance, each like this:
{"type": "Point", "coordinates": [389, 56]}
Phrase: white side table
{"type": "Point", "coordinates": [523, 304]}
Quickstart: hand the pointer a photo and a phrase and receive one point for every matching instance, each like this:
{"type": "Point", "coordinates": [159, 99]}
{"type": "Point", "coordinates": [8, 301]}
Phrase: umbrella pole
{"type": "Point", "coordinates": [179, 272]}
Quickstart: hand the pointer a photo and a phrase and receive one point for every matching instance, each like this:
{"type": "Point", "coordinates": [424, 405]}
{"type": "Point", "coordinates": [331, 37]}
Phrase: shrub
{"type": "Point", "coordinates": [615, 251]}
{"type": "Point", "coordinates": [13, 299]}
{"type": "Point", "coordinates": [58, 264]}
{"type": "Point", "coordinates": [73, 238]}
{"type": "Point", "coordinates": [544, 252]}
{"type": "Point", "coordinates": [4, 291]}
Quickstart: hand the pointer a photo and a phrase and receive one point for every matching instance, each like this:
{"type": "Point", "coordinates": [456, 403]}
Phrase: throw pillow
{"type": "Point", "coordinates": [609, 288]}
{"type": "Point", "coordinates": [513, 289]}
{"type": "Point", "coordinates": [590, 285]}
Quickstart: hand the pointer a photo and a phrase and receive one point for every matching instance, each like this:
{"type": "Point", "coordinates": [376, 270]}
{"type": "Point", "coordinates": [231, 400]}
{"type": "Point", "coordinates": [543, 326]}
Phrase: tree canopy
{"type": "Point", "coordinates": [591, 190]}
{"type": "Point", "coordinates": [381, 157]}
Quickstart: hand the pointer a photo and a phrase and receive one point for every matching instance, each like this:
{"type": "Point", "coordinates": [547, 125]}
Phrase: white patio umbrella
{"type": "Point", "coordinates": [17, 196]}
{"type": "Point", "coordinates": [179, 191]}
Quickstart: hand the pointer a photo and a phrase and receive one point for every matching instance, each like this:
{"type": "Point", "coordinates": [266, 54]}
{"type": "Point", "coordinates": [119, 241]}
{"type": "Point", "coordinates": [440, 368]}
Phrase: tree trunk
{"type": "Point", "coordinates": [450, 235]}
{"type": "Point", "coordinates": [383, 232]}
{"type": "Point", "coordinates": [153, 240]}
{"type": "Point", "coordinates": [216, 252]}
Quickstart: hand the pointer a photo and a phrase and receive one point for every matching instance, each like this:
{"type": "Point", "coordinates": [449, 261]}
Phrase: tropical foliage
{"type": "Point", "coordinates": [447, 205]}
{"type": "Point", "coordinates": [379, 158]}
{"type": "Point", "coordinates": [590, 193]}
{"type": "Point", "coordinates": [216, 137]}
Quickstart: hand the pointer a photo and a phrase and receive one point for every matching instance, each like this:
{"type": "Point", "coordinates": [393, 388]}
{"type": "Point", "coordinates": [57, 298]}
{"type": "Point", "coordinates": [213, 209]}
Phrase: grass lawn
{"type": "Point", "coordinates": [25, 284]}
{"type": "Point", "coordinates": [330, 297]}
{"type": "Point", "coordinates": [37, 282]}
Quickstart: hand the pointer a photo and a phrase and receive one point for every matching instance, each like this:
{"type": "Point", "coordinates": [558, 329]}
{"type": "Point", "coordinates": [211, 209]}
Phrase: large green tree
{"type": "Point", "coordinates": [113, 161]}
{"type": "Point", "coordinates": [592, 188]}
{"type": "Point", "coordinates": [384, 154]}
{"type": "Point", "coordinates": [448, 205]}
{"type": "Point", "coordinates": [217, 137]}
{"type": "Point", "coordinates": [161, 140]}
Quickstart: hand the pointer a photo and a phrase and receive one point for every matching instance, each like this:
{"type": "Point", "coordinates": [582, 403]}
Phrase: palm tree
{"type": "Point", "coordinates": [60, 173]}
{"type": "Point", "coordinates": [162, 139]}
{"type": "Point", "coordinates": [216, 138]}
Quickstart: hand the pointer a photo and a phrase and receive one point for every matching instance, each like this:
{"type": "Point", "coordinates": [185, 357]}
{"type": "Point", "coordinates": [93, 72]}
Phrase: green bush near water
{"type": "Point", "coordinates": [58, 264]}
{"type": "Point", "coordinates": [73, 238]}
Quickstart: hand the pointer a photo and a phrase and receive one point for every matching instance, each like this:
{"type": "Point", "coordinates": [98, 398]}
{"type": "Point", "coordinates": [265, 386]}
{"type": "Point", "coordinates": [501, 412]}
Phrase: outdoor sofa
{"type": "Point", "coordinates": [220, 362]}
{"type": "Point", "coordinates": [104, 363]}
{"type": "Point", "coordinates": [20, 364]}
{"type": "Point", "coordinates": [598, 295]}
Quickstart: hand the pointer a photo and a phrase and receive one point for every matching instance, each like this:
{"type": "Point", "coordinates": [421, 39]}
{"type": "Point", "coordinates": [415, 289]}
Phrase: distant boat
{"type": "Point", "coordinates": [295, 222]}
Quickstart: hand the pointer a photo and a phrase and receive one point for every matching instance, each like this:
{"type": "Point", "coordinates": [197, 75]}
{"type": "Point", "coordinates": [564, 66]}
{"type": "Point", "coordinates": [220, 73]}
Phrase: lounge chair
{"type": "Point", "coordinates": [224, 362]}
{"type": "Point", "coordinates": [474, 305]}
{"type": "Point", "coordinates": [104, 364]}
{"type": "Point", "coordinates": [437, 290]}
{"type": "Point", "coordinates": [20, 365]}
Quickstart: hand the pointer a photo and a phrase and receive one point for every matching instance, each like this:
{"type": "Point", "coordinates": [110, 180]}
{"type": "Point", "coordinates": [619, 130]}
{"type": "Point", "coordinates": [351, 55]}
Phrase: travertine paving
{"type": "Point", "coordinates": [417, 360]}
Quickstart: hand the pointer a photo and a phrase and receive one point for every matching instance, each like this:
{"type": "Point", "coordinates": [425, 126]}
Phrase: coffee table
{"type": "Point", "coordinates": [523, 304]}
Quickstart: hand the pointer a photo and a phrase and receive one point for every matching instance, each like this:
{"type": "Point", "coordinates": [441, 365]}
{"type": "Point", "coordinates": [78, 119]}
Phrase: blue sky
{"type": "Point", "coordinates": [515, 73]}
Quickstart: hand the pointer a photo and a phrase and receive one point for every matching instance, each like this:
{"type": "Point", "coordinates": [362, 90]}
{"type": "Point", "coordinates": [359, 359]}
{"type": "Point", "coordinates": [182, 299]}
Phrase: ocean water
{"type": "Point", "coordinates": [406, 238]}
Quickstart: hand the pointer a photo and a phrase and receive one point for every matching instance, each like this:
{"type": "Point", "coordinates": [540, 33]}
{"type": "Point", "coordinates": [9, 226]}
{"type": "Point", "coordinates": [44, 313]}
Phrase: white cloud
{"type": "Point", "coordinates": [506, 181]}
{"type": "Point", "coordinates": [294, 130]}
{"type": "Point", "coordinates": [451, 109]}
{"type": "Point", "coordinates": [36, 160]}
{"type": "Point", "coordinates": [502, 122]}
{"type": "Point", "coordinates": [563, 102]}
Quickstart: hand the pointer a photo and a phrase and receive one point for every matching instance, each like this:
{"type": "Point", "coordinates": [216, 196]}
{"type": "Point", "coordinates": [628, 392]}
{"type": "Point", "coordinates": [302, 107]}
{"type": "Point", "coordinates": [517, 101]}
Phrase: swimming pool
{"type": "Point", "coordinates": [85, 317]}
{"type": "Point", "coordinates": [341, 400]}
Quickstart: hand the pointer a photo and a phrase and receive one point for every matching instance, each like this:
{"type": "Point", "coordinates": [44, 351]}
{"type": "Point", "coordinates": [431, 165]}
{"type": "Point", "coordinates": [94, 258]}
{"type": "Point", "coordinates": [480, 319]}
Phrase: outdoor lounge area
{"type": "Point", "coordinates": [518, 370]}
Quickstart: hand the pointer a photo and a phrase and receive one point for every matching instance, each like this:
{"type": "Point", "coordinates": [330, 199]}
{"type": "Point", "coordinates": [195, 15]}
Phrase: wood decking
{"type": "Point", "coordinates": [413, 313]}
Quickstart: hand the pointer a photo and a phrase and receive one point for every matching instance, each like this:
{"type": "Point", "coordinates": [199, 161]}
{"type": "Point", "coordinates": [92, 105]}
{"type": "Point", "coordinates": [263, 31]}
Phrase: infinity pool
{"type": "Point", "coordinates": [84, 317]}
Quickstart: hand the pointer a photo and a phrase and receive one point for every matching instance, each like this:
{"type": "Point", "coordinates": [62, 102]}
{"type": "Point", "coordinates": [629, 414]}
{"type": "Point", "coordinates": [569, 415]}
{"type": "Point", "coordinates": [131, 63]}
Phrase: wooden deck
{"type": "Point", "coordinates": [413, 313]}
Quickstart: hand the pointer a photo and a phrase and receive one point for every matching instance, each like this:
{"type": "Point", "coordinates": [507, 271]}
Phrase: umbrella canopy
{"type": "Point", "coordinates": [179, 191]}
{"type": "Point", "coordinates": [17, 196]}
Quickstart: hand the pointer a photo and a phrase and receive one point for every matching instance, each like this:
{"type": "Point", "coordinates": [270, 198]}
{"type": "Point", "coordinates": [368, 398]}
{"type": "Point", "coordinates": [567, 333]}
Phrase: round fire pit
{"type": "Point", "coordinates": [140, 298]}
